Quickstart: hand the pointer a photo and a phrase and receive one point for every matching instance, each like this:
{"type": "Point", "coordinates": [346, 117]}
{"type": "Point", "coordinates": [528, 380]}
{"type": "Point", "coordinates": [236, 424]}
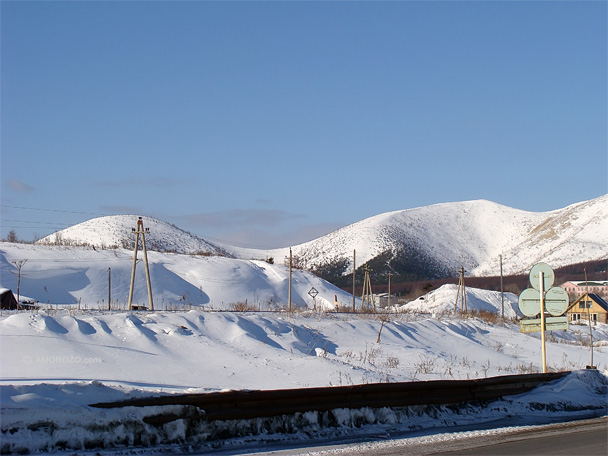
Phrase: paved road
{"type": "Point", "coordinates": [587, 438]}
{"type": "Point", "coordinates": [575, 438]}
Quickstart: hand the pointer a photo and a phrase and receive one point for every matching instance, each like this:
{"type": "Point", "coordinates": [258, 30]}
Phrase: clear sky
{"type": "Point", "coordinates": [271, 123]}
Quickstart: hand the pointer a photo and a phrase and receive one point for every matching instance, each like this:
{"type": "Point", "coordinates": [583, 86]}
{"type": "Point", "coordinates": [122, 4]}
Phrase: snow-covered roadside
{"type": "Point", "coordinates": [582, 394]}
{"type": "Point", "coordinates": [56, 363]}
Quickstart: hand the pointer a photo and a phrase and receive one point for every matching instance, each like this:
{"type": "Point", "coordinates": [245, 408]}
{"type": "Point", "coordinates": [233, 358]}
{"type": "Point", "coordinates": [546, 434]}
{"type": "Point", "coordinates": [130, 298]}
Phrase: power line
{"type": "Point", "coordinates": [32, 221]}
{"type": "Point", "coordinates": [51, 210]}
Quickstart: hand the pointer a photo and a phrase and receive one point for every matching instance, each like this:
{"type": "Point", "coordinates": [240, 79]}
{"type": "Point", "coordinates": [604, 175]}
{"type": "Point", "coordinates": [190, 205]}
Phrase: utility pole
{"type": "Point", "coordinates": [502, 298]}
{"type": "Point", "coordinates": [354, 270]}
{"type": "Point", "coordinates": [137, 232]}
{"type": "Point", "coordinates": [461, 289]}
{"type": "Point", "coordinates": [389, 290]}
{"type": "Point", "coordinates": [588, 305]}
{"type": "Point", "coordinates": [109, 288]}
{"type": "Point", "coordinates": [289, 293]}
{"type": "Point", "coordinates": [367, 296]}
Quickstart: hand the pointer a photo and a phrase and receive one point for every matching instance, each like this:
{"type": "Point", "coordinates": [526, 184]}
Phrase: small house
{"type": "Point", "coordinates": [7, 299]}
{"type": "Point", "coordinates": [589, 306]}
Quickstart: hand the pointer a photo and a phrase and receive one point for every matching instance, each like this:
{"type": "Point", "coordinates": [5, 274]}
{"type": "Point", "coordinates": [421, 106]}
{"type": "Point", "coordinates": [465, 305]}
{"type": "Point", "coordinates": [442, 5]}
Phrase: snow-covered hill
{"type": "Point", "coordinates": [575, 234]}
{"type": "Point", "coordinates": [68, 275]}
{"type": "Point", "coordinates": [426, 242]}
{"type": "Point", "coordinates": [473, 234]}
{"type": "Point", "coordinates": [117, 231]}
{"type": "Point", "coordinates": [444, 300]}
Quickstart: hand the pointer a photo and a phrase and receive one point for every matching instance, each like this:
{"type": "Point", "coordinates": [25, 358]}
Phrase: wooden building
{"type": "Point", "coordinates": [7, 299]}
{"type": "Point", "coordinates": [588, 306]}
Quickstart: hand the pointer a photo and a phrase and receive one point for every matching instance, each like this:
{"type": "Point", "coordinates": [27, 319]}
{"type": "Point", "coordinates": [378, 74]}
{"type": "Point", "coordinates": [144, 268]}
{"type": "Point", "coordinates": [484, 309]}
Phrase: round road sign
{"type": "Point", "coordinates": [556, 301]}
{"type": "Point", "coordinates": [548, 274]}
{"type": "Point", "coordinates": [529, 302]}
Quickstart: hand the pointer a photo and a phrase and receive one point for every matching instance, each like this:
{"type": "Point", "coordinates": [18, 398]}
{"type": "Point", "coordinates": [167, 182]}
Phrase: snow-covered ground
{"type": "Point", "coordinates": [71, 353]}
{"type": "Point", "coordinates": [72, 275]}
{"type": "Point", "coordinates": [54, 363]}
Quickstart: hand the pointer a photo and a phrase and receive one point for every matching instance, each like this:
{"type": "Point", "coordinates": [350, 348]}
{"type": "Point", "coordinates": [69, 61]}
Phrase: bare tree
{"type": "Point", "coordinates": [12, 236]}
{"type": "Point", "coordinates": [19, 264]}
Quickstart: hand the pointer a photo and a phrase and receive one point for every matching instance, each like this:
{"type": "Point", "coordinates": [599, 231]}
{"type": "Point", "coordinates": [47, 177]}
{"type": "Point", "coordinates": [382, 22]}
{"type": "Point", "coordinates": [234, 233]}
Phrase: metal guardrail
{"type": "Point", "coordinates": [243, 404]}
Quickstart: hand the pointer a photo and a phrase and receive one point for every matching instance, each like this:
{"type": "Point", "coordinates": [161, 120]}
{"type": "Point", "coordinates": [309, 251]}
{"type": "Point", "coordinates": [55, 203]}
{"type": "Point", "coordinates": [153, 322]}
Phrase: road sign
{"type": "Point", "coordinates": [556, 301]}
{"type": "Point", "coordinates": [529, 302]}
{"type": "Point", "coordinates": [313, 292]}
{"type": "Point", "coordinates": [551, 324]}
{"type": "Point", "coordinates": [549, 276]}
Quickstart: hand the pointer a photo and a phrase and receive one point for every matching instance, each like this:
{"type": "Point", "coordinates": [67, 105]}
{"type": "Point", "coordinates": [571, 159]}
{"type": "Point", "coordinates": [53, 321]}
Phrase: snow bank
{"type": "Point", "coordinates": [55, 363]}
{"type": "Point", "coordinates": [581, 394]}
{"type": "Point", "coordinates": [446, 299]}
{"type": "Point", "coordinates": [81, 277]}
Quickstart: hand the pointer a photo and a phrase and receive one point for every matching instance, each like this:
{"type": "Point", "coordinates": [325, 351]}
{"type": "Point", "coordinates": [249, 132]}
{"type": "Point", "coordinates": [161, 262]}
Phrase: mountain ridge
{"type": "Point", "coordinates": [432, 241]}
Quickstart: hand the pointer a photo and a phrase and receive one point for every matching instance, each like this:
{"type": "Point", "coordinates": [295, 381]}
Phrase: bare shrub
{"type": "Point", "coordinates": [391, 362]}
{"type": "Point", "coordinates": [492, 318]}
{"type": "Point", "coordinates": [426, 365]}
{"type": "Point", "coordinates": [242, 307]}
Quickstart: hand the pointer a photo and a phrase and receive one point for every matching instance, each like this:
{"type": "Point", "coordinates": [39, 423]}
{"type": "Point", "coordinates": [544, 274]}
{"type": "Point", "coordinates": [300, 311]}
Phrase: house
{"type": "Point", "coordinates": [576, 288]}
{"type": "Point", "coordinates": [7, 299]}
{"type": "Point", "coordinates": [588, 306]}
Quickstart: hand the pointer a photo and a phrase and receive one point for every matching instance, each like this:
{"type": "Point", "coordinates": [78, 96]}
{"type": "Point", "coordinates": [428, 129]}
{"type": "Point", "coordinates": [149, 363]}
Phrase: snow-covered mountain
{"type": "Point", "coordinates": [436, 241]}
{"type": "Point", "coordinates": [426, 242]}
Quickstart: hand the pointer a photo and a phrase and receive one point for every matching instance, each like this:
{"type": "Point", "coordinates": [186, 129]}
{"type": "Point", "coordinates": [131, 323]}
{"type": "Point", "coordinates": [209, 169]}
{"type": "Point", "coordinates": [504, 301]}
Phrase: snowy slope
{"type": "Point", "coordinates": [69, 275]}
{"type": "Point", "coordinates": [445, 299]}
{"type": "Point", "coordinates": [575, 234]}
{"type": "Point", "coordinates": [436, 240]}
{"type": "Point", "coordinates": [116, 231]}
{"type": "Point", "coordinates": [56, 363]}
{"type": "Point", "coordinates": [471, 234]}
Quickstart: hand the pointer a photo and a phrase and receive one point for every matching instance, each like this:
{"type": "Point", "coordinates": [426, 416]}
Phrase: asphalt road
{"type": "Point", "coordinates": [586, 438]}
{"type": "Point", "coordinates": [574, 438]}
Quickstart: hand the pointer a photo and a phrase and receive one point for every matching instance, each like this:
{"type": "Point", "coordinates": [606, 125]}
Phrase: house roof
{"type": "Point", "coordinates": [595, 298]}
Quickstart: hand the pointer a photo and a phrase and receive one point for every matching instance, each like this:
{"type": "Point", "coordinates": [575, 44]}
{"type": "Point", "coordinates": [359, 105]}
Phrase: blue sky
{"type": "Point", "coordinates": [267, 124]}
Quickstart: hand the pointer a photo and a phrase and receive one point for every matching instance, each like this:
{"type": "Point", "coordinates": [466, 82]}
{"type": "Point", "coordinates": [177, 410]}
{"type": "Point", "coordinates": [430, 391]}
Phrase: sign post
{"type": "Point", "coordinates": [543, 297]}
{"type": "Point", "coordinates": [541, 284]}
{"type": "Point", "coordinates": [313, 292]}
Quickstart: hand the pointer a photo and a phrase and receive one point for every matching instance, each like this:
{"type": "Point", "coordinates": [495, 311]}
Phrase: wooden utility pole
{"type": "Point", "coordinates": [368, 296]}
{"type": "Point", "coordinates": [389, 290]}
{"type": "Point", "coordinates": [137, 232]}
{"type": "Point", "coordinates": [109, 288]}
{"type": "Point", "coordinates": [354, 270]}
{"type": "Point", "coordinates": [502, 297]}
{"type": "Point", "coordinates": [289, 293]}
{"type": "Point", "coordinates": [461, 290]}
{"type": "Point", "coordinates": [588, 305]}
